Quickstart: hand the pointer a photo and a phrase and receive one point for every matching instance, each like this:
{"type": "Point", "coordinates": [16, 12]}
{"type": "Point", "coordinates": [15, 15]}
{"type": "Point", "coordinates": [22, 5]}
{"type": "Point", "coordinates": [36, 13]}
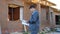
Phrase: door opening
{"type": "Point", "coordinates": [57, 17]}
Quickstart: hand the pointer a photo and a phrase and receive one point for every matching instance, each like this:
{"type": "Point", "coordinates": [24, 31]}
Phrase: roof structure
{"type": "Point", "coordinates": [43, 2]}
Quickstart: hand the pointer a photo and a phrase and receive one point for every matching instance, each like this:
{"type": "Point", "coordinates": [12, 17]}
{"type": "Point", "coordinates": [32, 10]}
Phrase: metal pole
{"type": "Point", "coordinates": [12, 13]}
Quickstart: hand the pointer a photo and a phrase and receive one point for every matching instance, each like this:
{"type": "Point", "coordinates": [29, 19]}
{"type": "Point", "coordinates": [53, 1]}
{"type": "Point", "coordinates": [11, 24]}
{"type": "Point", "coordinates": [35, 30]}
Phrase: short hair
{"type": "Point", "coordinates": [32, 6]}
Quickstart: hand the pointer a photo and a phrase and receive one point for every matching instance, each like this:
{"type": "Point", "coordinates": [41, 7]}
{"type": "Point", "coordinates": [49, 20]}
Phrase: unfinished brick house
{"type": "Point", "coordinates": [13, 11]}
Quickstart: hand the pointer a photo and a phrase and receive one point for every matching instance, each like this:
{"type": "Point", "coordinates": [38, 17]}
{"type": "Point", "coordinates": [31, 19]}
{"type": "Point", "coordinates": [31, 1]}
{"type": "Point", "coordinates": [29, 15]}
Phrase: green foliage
{"type": "Point", "coordinates": [25, 33]}
{"type": "Point", "coordinates": [42, 32]}
{"type": "Point", "coordinates": [53, 30]}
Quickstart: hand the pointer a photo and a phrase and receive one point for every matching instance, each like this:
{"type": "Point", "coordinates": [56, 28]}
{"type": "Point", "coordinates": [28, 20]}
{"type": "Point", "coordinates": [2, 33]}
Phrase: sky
{"type": "Point", "coordinates": [57, 2]}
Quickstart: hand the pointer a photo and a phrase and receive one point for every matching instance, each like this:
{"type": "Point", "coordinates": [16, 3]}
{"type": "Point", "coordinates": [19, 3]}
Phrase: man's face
{"type": "Point", "coordinates": [32, 9]}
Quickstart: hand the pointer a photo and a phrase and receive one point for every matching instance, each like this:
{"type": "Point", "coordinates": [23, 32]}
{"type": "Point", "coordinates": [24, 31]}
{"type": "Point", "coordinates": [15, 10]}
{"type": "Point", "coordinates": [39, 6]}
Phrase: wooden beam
{"type": "Point", "coordinates": [13, 5]}
{"type": "Point", "coordinates": [51, 3]}
{"type": "Point", "coordinates": [47, 3]}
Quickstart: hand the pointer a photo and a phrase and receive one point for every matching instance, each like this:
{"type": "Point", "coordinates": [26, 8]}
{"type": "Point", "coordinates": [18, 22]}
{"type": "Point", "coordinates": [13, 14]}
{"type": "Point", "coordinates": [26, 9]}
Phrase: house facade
{"type": "Point", "coordinates": [13, 11]}
{"type": "Point", "coordinates": [56, 17]}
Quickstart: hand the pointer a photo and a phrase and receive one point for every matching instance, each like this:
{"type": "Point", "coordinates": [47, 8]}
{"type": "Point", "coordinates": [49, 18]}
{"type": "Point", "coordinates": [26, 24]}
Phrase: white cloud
{"type": "Point", "coordinates": [57, 2]}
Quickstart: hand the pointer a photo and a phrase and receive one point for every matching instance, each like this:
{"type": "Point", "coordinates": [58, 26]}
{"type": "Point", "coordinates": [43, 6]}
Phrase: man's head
{"type": "Point", "coordinates": [32, 8]}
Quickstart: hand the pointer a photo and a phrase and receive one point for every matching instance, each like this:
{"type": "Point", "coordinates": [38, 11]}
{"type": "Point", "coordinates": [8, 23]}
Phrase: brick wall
{"type": "Point", "coordinates": [5, 24]}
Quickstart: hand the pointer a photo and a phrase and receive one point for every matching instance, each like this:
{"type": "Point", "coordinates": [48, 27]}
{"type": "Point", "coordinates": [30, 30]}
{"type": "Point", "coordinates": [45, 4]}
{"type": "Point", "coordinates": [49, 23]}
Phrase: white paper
{"type": "Point", "coordinates": [24, 22]}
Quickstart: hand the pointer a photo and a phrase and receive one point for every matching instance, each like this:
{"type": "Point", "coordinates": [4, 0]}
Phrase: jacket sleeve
{"type": "Point", "coordinates": [34, 18]}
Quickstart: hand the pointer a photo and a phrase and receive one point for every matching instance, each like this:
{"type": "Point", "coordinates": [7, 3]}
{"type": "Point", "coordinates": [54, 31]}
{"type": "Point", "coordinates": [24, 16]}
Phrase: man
{"type": "Point", "coordinates": [34, 20]}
